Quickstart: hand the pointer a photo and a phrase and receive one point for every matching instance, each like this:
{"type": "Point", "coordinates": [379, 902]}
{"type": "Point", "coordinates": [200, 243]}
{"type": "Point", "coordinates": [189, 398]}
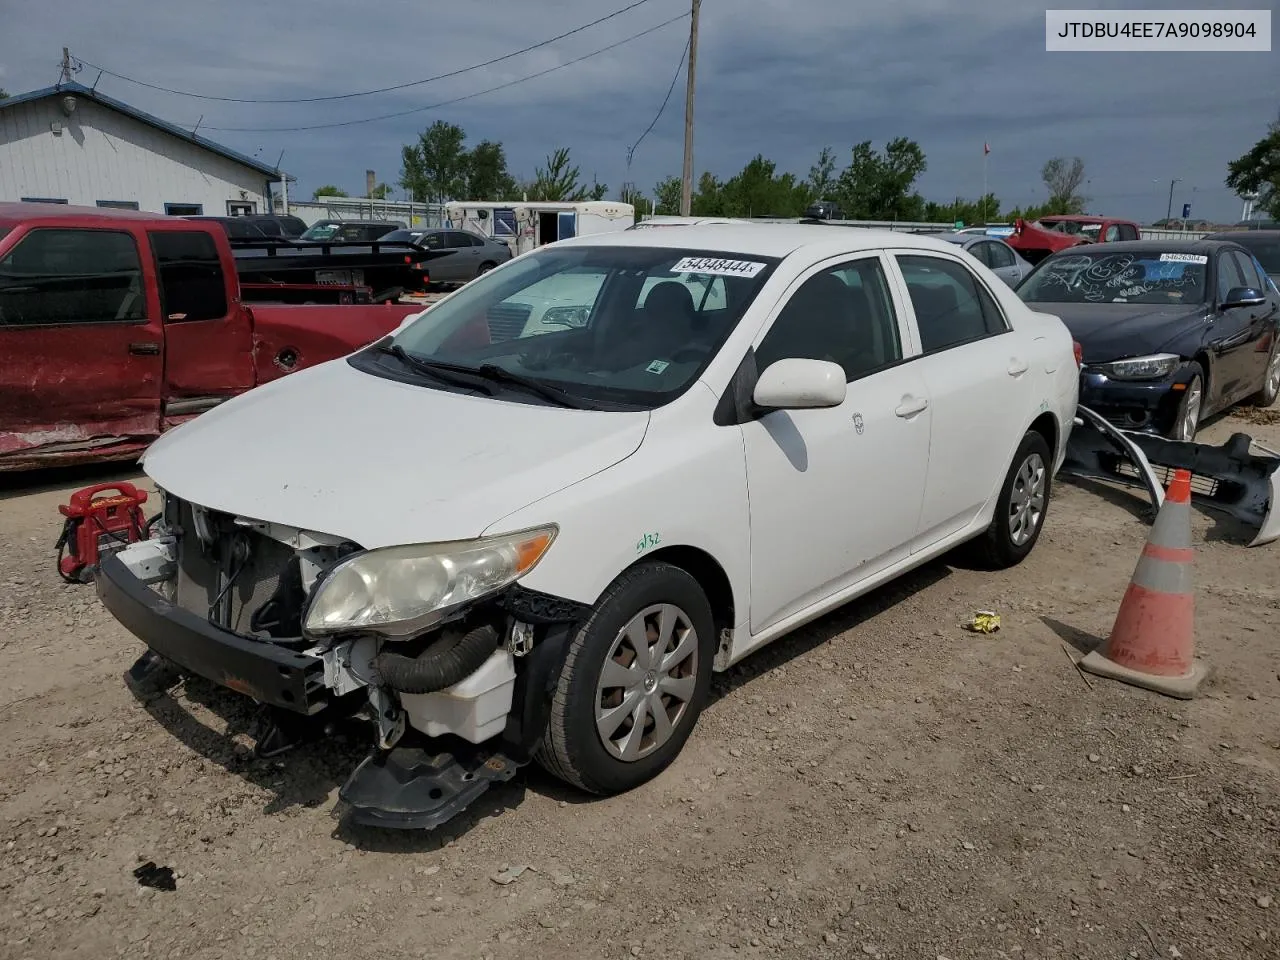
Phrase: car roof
{"type": "Point", "coordinates": [1205, 246]}
{"type": "Point", "coordinates": [1243, 236]}
{"type": "Point", "coordinates": [955, 236]}
{"type": "Point", "coordinates": [17, 211]}
{"type": "Point", "coordinates": [763, 239]}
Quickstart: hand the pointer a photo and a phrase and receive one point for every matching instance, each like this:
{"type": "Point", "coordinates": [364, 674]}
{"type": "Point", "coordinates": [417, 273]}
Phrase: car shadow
{"type": "Point", "coordinates": [828, 627]}
{"type": "Point", "coordinates": [1131, 499]}
{"type": "Point", "coordinates": [307, 775]}
{"type": "Point", "coordinates": [24, 483]}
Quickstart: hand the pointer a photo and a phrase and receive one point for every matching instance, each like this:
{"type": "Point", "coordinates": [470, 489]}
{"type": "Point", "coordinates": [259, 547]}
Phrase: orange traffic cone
{"type": "Point", "coordinates": [1152, 643]}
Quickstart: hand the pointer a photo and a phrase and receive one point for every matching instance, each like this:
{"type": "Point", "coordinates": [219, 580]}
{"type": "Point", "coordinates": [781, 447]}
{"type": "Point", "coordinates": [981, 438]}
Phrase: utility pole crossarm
{"type": "Point", "coordinates": [686, 180]}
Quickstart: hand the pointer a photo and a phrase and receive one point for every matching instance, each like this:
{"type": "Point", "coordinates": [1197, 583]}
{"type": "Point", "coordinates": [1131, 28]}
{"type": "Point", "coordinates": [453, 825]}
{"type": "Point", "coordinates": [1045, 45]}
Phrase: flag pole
{"type": "Point", "coordinates": [985, 151]}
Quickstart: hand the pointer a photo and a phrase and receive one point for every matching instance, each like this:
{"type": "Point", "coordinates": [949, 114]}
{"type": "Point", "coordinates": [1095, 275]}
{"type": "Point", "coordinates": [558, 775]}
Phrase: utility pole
{"type": "Point", "coordinates": [66, 67]}
{"type": "Point", "coordinates": [686, 181]}
{"type": "Point", "coordinates": [1169, 211]}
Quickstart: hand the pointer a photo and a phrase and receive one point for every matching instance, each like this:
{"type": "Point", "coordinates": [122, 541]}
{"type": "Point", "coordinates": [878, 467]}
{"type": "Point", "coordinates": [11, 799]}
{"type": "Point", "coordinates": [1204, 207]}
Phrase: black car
{"type": "Point", "coordinates": [1171, 331]}
{"type": "Point", "coordinates": [1263, 244]}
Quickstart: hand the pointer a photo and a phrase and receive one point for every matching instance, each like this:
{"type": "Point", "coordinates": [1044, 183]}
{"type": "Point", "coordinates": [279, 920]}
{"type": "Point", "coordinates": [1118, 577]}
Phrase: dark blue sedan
{"type": "Point", "coordinates": [1171, 331]}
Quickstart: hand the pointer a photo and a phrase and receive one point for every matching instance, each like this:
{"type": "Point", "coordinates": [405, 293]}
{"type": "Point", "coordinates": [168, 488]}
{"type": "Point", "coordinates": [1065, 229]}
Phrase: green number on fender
{"type": "Point", "coordinates": [646, 542]}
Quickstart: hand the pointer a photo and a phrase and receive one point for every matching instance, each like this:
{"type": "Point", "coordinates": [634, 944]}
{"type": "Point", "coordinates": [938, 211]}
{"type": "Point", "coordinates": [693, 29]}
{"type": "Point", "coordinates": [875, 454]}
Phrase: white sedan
{"type": "Point", "coordinates": [538, 516]}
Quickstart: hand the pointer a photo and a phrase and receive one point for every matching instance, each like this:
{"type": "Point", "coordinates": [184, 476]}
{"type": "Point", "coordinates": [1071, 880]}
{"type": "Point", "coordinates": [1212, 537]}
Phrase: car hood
{"type": "Point", "coordinates": [334, 450]}
{"type": "Point", "coordinates": [1110, 331]}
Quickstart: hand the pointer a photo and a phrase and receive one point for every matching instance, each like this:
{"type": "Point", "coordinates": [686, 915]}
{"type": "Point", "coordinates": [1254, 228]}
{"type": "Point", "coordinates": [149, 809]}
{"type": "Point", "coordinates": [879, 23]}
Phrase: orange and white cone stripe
{"type": "Point", "coordinates": [1152, 642]}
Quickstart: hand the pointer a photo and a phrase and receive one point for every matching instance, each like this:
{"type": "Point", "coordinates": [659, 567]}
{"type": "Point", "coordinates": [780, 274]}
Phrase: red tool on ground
{"type": "Point", "coordinates": [100, 520]}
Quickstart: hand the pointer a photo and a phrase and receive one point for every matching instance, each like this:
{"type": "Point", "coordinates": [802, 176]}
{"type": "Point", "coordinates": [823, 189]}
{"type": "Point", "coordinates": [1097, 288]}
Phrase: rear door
{"type": "Point", "coordinates": [978, 376]}
{"type": "Point", "coordinates": [1003, 263]}
{"type": "Point", "coordinates": [81, 343]}
{"type": "Point", "coordinates": [467, 251]}
{"type": "Point", "coordinates": [208, 334]}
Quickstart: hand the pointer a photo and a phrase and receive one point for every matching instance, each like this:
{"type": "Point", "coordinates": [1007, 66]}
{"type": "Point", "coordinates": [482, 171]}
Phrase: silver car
{"type": "Point", "coordinates": [465, 255]}
{"type": "Point", "coordinates": [1001, 258]}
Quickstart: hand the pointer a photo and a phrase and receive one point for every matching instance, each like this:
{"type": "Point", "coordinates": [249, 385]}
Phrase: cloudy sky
{"type": "Point", "coordinates": [781, 78]}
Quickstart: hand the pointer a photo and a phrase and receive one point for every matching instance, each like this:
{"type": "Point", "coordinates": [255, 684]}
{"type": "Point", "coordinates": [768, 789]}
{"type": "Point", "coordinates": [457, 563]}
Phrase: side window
{"type": "Point", "coordinates": [457, 240]}
{"type": "Point", "coordinates": [1228, 275]}
{"type": "Point", "coordinates": [843, 314]}
{"type": "Point", "coordinates": [192, 286]}
{"type": "Point", "coordinates": [951, 307]}
{"type": "Point", "coordinates": [981, 250]}
{"type": "Point", "coordinates": [1128, 231]}
{"type": "Point", "coordinates": [433, 241]}
{"type": "Point", "coordinates": [72, 277]}
{"type": "Point", "coordinates": [1001, 255]}
{"type": "Point", "coordinates": [1249, 271]}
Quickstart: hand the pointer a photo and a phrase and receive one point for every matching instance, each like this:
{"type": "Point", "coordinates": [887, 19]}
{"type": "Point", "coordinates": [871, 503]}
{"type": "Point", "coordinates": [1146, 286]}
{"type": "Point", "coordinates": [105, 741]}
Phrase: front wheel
{"type": "Point", "coordinates": [634, 682]}
{"type": "Point", "coordinates": [1021, 506]}
{"type": "Point", "coordinates": [1187, 421]}
{"type": "Point", "coordinates": [485, 268]}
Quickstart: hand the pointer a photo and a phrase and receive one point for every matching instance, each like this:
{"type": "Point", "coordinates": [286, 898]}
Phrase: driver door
{"type": "Point", "coordinates": [835, 493]}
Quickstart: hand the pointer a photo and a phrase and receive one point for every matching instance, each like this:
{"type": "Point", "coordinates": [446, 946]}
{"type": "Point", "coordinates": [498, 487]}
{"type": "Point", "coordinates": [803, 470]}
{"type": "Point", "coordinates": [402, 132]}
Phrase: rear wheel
{"type": "Point", "coordinates": [634, 681]}
{"type": "Point", "coordinates": [1187, 421]}
{"type": "Point", "coordinates": [1021, 506]}
{"type": "Point", "coordinates": [1266, 397]}
{"type": "Point", "coordinates": [485, 268]}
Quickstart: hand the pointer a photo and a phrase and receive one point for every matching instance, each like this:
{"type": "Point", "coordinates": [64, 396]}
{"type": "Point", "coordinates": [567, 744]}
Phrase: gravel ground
{"type": "Point", "coordinates": [880, 784]}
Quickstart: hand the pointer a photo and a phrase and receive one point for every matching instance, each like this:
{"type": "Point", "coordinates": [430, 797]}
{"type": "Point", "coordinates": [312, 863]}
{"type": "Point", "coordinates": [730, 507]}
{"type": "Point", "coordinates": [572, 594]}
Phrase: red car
{"type": "Point", "coordinates": [116, 325]}
{"type": "Point", "coordinates": [1035, 241]}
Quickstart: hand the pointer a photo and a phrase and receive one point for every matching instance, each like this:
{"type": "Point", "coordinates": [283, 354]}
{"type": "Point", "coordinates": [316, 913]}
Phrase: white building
{"type": "Point", "coordinates": [71, 144]}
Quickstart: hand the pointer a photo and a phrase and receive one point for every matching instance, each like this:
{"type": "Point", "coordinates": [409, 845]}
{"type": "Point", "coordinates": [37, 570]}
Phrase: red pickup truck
{"type": "Point", "coordinates": [1035, 241]}
{"type": "Point", "coordinates": [116, 325]}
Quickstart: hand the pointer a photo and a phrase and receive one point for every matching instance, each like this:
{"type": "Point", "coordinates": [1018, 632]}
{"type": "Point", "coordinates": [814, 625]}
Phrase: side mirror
{"type": "Point", "coordinates": [1243, 297]}
{"type": "Point", "coordinates": [797, 384]}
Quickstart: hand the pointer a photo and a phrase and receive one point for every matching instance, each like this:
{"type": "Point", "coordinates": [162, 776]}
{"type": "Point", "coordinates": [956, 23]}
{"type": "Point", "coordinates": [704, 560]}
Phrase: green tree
{"type": "Point", "coordinates": [1258, 171]}
{"type": "Point", "coordinates": [708, 198]}
{"type": "Point", "coordinates": [983, 210]}
{"type": "Point", "coordinates": [487, 175]}
{"type": "Point", "coordinates": [4, 94]}
{"type": "Point", "coordinates": [380, 192]}
{"type": "Point", "coordinates": [598, 190]}
{"type": "Point", "coordinates": [666, 193]}
{"type": "Point", "coordinates": [328, 190]}
{"type": "Point", "coordinates": [435, 168]}
{"type": "Point", "coordinates": [558, 180]}
{"type": "Point", "coordinates": [1063, 178]}
{"type": "Point", "coordinates": [879, 186]}
{"type": "Point", "coordinates": [760, 191]}
{"type": "Point", "coordinates": [822, 174]}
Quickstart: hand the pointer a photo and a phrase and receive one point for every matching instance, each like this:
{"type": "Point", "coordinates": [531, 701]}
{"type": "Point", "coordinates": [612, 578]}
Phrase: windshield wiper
{"type": "Point", "coordinates": [491, 371]}
{"type": "Point", "coordinates": [449, 373]}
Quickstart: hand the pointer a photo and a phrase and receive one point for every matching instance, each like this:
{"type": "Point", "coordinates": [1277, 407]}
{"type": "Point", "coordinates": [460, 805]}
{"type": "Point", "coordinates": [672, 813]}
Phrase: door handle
{"type": "Point", "coordinates": [144, 348]}
{"type": "Point", "coordinates": [910, 406]}
{"type": "Point", "coordinates": [1018, 367]}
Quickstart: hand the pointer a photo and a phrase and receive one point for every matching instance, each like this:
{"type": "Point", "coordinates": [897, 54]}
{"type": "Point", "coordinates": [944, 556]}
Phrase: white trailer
{"type": "Point", "coordinates": [528, 225]}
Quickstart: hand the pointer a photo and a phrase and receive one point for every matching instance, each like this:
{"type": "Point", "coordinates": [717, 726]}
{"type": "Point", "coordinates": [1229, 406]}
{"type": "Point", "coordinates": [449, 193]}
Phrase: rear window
{"type": "Point", "coordinates": [191, 279]}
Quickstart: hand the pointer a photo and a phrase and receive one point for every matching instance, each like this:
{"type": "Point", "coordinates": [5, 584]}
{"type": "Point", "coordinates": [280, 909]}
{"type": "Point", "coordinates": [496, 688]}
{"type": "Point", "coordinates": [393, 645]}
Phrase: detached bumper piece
{"type": "Point", "coordinates": [266, 672]}
{"type": "Point", "coordinates": [414, 787]}
{"type": "Point", "coordinates": [1227, 478]}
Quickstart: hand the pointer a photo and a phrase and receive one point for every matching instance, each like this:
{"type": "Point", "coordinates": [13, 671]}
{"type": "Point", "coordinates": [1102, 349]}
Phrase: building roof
{"type": "Point", "coordinates": [80, 90]}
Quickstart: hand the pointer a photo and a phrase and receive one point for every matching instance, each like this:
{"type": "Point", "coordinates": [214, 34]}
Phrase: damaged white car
{"type": "Point", "coordinates": [531, 522]}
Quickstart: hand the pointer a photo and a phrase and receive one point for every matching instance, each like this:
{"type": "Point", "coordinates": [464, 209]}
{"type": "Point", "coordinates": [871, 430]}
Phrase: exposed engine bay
{"type": "Point", "coordinates": [455, 706]}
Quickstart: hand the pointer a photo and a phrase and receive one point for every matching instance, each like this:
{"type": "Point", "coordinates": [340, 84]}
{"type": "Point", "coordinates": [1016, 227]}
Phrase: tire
{"type": "Point", "coordinates": [1266, 397]}
{"type": "Point", "coordinates": [485, 268]}
{"type": "Point", "coordinates": [572, 748]}
{"type": "Point", "coordinates": [1019, 516]}
{"type": "Point", "coordinates": [1190, 407]}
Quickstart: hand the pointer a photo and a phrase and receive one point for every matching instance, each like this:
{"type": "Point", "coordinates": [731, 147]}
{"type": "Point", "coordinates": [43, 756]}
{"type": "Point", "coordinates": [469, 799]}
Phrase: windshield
{"type": "Point", "coordinates": [1152, 278]}
{"type": "Point", "coordinates": [321, 231]}
{"type": "Point", "coordinates": [622, 325]}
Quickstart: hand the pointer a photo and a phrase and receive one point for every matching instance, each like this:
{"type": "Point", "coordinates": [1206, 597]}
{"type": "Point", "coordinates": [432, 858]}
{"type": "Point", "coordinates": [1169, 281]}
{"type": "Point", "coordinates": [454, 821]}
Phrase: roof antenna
{"type": "Point", "coordinates": [197, 126]}
{"type": "Point", "coordinates": [95, 82]}
{"type": "Point", "coordinates": [65, 76]}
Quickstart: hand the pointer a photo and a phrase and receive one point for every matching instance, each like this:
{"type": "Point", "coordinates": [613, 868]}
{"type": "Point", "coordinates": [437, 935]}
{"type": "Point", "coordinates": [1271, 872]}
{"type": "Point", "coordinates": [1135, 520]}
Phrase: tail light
{"type": "Point", "coordinates": [1079, 352]}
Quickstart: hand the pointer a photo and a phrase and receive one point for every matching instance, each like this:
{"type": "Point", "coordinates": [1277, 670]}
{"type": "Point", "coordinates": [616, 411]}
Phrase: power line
{"type": "Point", "coordinates": [680, 66]}
{"type": "Point", "coordinates": [367, 93]}
{"type": "Point", "coordinates": [447, 103]}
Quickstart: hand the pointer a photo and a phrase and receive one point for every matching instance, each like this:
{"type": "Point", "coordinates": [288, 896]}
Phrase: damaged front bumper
{"type": "Point", "coordinates": [435, 752]}
{"type": "Point", "coordinates": [1227, 478]}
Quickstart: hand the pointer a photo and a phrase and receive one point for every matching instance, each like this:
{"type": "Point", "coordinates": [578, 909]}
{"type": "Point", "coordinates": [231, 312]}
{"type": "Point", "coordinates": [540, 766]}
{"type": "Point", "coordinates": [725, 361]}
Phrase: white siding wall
{"type": "Point", "coordinates": [105, 155]}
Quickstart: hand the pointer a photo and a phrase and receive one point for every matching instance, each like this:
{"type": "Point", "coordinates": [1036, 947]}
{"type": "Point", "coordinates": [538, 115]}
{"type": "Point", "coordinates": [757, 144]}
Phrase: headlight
{"type": "Point", "coordinates": [567, 316]}
{"type": "Point", "coordinates": [403, 590]}
{"type": "Point", "coordinates": [1155, 367]}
